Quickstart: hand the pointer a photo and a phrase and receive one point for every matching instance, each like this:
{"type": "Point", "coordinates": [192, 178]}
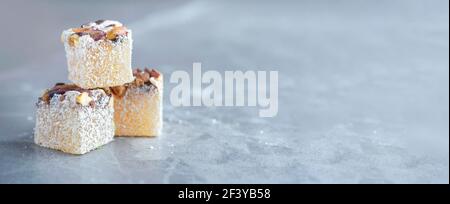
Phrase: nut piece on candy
{"type": "Point", "coordinates": [118, 91]}
{"type": "Point", "coordinates": [114, 33]}
{"type": "Point", "coordinates": [138, 105]}
{"type": "Point", "coordinates": [99, 54]}
{"type": "Point", "coordinates": [74, 120]}
{"type": "Point", "coordinates": [73, 40]}
{"type": "Point", "coordinates": [83, 99]}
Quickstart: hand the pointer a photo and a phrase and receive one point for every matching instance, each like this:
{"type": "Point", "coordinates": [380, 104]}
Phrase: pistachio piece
{"type": "Point", "coordinates": [73, 39]}
{"type": "Point", "coordinates": [83, 99]}
{"type": "Point", "coordinates": [115, 32]}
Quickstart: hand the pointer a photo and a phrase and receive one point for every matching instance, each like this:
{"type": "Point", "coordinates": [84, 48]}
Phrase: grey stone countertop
{"type": "Point", "coordinates": [363, 98]}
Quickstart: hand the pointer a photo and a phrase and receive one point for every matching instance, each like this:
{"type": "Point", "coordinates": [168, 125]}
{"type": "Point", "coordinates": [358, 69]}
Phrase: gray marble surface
{"type": "Point", "coordinates": [363, 93]}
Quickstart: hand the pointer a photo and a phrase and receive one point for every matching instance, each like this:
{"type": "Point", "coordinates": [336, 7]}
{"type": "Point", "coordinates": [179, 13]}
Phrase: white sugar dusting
{"type": "Point", "coordinates": [105, 25]}
{"type": "Point", "coordinates": [101, 63]}
{"type": "Point", "coordinates": [64, 125]}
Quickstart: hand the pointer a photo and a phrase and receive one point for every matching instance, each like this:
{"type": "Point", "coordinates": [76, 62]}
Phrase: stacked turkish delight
{"type": "Point", "coordinates": [106, 98]}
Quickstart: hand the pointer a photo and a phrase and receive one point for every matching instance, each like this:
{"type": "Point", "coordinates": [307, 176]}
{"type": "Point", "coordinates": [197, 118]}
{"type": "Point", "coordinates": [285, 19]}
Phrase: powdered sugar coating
{"type": "Point", "coordinates": [70, 127]}
{"type": "Point", "coordinates": [102, 63]}
{"type": "Point", "coordinates": [105, 25]}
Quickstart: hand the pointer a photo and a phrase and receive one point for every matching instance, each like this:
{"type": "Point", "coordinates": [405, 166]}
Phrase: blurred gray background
{"type": "Point", "coordinates": [363, 91]}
